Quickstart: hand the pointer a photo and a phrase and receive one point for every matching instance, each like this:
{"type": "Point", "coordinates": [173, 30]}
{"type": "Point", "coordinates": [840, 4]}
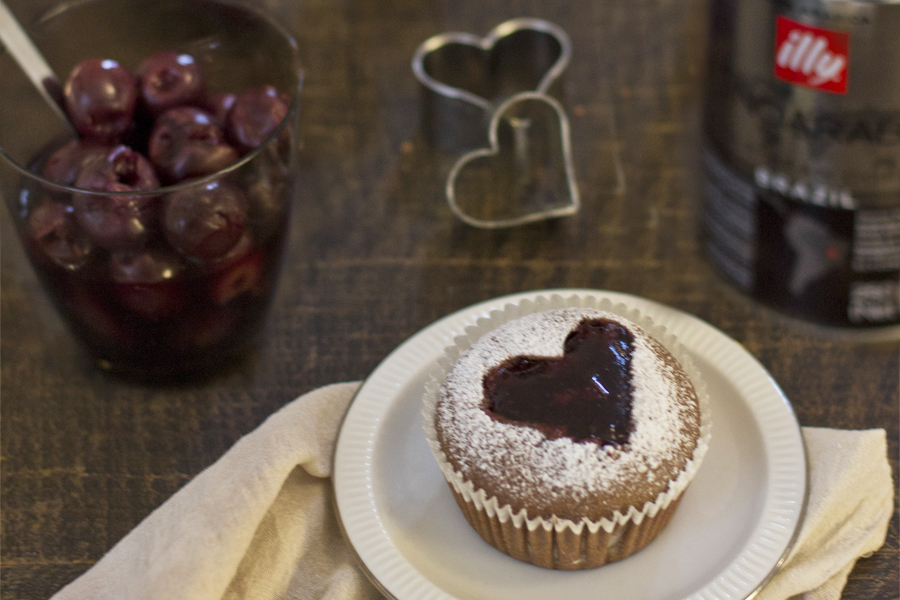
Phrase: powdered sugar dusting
{"type": "Point", "coordinates": [553, 474]}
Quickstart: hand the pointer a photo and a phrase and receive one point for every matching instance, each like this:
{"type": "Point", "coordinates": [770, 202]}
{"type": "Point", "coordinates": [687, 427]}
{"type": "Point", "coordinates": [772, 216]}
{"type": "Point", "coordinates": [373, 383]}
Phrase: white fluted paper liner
{"type": "Point", "coordinates": [476, 504]}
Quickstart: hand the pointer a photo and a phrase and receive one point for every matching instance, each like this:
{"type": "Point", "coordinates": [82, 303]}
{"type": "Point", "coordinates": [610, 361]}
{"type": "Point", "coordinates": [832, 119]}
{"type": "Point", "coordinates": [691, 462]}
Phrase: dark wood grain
{"type": "Point", "coordinates": [375, 255]}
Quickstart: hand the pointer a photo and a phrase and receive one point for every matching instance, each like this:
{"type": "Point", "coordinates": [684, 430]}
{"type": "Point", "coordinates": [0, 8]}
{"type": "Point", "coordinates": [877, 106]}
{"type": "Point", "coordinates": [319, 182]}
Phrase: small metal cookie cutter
{"type": "Point", "coordinates": [489, 99]}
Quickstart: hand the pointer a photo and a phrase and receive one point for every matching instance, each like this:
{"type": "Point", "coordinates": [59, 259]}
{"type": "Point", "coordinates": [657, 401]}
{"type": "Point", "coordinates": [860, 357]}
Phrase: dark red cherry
{"type": "Point", "coordinates": [186, 143]}
{"type": "Point", "coordinates": [242, 275]}
{"type": "Point", "coordinates": [100, 97]}
{"type": "Point", "coordinates": [64, 165]}
{"type": "Point", "coordinates": [148, 283]}
{"type": "Point", "coordinates": [120, 220]}
{"type": "Point", "coordinates": [169, 79]}
{"type": "Point", "coordinates": [149, 265]}
{"type": "Point", "coordinates": [266, 197]}
{"type": "Point", "coordinates": [56, 235]}
{"type": "Point", "coordinates": [218, 105]}
{"type": "Point", "coordinates": [207, 221]}
{"type": "Point", "coordinates": [585, 395]}
{"type": "Point", "coordinates": [256, 113]}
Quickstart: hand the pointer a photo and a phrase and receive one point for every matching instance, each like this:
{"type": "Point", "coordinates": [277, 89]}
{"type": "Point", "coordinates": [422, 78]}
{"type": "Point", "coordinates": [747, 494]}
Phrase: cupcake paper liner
{"type": "Point", "coordinates": [556, 542]}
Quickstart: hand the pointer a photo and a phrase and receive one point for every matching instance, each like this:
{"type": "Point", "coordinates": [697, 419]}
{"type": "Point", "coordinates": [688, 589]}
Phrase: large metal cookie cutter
{"type": "Point", "coordinates": [488, 98]}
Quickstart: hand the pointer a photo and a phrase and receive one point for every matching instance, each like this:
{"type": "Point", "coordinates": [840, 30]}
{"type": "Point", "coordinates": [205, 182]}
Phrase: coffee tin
{"type": "Point", "coordinates": [802, 156]}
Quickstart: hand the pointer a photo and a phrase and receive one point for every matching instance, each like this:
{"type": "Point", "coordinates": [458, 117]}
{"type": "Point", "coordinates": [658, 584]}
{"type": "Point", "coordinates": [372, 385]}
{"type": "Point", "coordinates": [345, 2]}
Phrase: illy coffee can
{"type": "Point", "coordinates": [802, 156]}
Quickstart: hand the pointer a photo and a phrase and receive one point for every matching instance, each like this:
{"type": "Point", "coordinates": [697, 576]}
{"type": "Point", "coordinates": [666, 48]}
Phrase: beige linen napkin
{"type": "Point", "coordinates": [851, 499]}
{"type": "Point", "coordinates": [258, 524]}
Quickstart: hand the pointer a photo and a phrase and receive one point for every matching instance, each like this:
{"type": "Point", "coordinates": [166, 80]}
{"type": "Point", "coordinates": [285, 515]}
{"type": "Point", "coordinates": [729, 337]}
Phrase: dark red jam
{"type": "Point", "coordinates": [585, 395]}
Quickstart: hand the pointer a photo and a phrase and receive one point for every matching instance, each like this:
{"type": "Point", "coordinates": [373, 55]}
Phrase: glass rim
{"type": "Point", "coordinates": [293, 110]}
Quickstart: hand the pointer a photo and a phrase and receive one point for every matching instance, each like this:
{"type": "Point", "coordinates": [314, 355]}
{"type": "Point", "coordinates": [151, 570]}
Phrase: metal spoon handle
{"type": "Point", "coordinates": [19, 45]}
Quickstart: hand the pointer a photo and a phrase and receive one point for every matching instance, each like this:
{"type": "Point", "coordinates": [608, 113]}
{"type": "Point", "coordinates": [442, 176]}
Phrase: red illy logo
{"type": "Point", "coordinates": [810, 56]}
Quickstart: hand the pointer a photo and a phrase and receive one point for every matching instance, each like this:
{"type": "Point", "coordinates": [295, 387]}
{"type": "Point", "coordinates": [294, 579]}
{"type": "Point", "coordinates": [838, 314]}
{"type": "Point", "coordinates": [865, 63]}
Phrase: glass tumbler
{"type": "Point", "coordinates": [174, 278]}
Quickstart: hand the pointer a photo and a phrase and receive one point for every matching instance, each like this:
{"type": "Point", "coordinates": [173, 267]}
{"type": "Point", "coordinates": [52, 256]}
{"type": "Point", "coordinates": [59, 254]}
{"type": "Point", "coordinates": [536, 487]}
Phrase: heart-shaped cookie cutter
{"type": "Point", "coordinates": [528, 54]}
{"type": "Point", "coordinates": [470, 82]}
{"type": "Point", "coordinates": [531, 151]}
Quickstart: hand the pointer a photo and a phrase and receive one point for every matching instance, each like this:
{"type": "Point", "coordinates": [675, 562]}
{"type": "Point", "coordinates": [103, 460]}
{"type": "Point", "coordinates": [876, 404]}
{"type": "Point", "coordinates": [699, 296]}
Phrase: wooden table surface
{"type": "Point", "coordinates": [375, 255]}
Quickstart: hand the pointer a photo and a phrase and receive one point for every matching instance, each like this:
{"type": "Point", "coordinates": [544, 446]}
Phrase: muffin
{"type": "Point", "coordinates": [567, 436]}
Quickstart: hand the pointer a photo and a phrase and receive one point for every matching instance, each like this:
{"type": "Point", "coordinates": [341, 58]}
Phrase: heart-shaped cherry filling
{"type": "Point", "coordinates": [585, 395]}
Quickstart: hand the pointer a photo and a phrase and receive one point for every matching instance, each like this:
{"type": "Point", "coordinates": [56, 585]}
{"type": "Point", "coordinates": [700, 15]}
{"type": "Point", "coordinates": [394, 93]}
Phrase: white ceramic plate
{"type": "Point", "coordinates": [735, 525]}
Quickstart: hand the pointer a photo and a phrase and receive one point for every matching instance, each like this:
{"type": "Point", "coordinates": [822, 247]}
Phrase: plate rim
{"type": "Point", "coordinates": [483, 308]}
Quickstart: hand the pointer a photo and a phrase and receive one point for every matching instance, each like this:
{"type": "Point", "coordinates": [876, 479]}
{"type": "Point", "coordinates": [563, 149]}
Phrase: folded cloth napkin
{"type": "Point", "coordinates": [258, 524]}
{"type": "Point", "coordinates": [851, 499]}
